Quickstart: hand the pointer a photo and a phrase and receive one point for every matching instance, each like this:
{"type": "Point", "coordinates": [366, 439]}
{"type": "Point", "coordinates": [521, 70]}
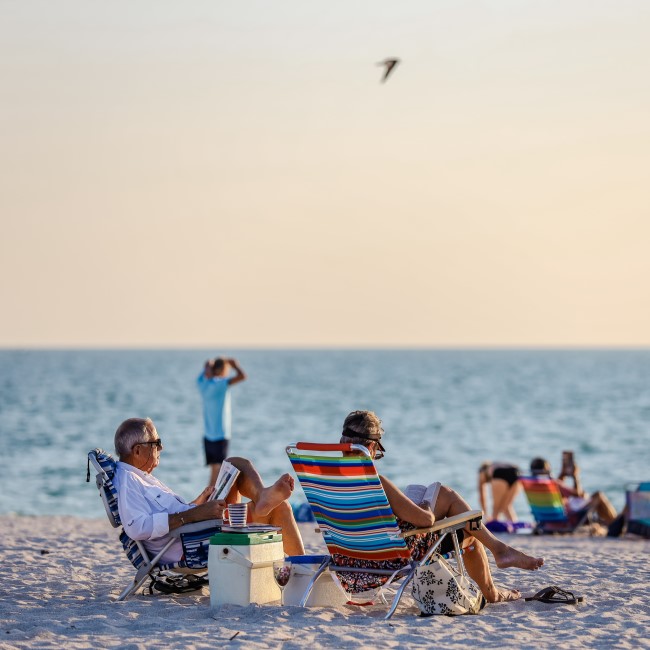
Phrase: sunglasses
{"type": "Point", "coordinates": [157, 442]}
{"type": "Point", "coordinates": [379, 449]}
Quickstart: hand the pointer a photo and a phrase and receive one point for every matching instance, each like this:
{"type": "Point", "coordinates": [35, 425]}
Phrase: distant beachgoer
{"type": "Point", "coordinates": [214, 385]}
{"type": "Point", "coordinates": [504, 480]}
{"type": "Point", "coordinates": [364, 428]}
{"type": "Point", "coordinates": [576, 499]}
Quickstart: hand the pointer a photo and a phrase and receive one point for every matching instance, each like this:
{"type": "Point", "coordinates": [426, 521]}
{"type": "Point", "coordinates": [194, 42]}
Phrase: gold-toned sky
{"type": "Point", "coordinates": [234, 174]}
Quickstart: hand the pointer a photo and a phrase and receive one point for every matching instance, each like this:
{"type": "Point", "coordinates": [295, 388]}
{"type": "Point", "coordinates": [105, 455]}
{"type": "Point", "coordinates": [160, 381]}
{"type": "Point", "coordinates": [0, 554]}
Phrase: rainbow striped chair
{"type": "Point", "coordinates": [186, 575]}
{"type": "Point", "coordinates": [342, 486]}
{"type": "Point", "coordinates": [548, 509]}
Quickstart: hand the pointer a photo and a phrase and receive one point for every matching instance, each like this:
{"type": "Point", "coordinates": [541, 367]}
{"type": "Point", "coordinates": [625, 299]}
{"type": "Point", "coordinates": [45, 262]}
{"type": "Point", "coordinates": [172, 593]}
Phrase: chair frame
{"type": "Point", "coordinates": [150, 567]}
{"type": "Point", "coordinates": [407, 572]}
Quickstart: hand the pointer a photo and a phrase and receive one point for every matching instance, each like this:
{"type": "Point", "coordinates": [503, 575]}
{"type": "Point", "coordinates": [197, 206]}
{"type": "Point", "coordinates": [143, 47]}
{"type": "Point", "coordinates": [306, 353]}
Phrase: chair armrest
{"type": "Point", "coordinates": [196, 527]}
{"type": "Point", "coordinates": [449, 524]}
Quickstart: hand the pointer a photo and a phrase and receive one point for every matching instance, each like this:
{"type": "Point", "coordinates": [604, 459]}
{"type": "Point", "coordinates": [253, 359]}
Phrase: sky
{"type": "Point", "coordinates": [234, 174]}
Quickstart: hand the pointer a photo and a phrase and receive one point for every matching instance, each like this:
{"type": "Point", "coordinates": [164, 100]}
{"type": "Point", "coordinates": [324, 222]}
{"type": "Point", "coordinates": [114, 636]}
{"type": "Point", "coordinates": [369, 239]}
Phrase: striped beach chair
{"type": "Point", "coordinates": [187, 575]}
{"type": "Point", "coordinates": [342, 486]}
{"type": "Point", "coordinates": [548, 509]}
{"type": "Point", "coordinates": [638, 506]}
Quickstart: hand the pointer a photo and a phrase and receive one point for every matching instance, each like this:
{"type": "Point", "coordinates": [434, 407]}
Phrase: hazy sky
{"type": "Point", "coordinates": [233, 173]}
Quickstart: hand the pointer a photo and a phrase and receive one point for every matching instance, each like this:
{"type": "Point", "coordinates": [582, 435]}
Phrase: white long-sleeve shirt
{"type": "Point", "coordinates": [145, 504]}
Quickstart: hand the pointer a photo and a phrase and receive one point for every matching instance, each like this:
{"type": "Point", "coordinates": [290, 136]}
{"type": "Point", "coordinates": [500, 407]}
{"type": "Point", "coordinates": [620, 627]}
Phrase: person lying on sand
{"type": "Point", "coordinates": [364, 428]}
{"type": "Point", "coordinates": [149, 509]}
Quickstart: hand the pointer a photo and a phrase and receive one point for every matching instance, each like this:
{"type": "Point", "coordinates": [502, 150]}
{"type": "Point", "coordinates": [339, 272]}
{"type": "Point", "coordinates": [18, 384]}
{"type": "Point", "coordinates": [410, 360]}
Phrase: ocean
{"type": "Point", "coordinates": [444, 412]}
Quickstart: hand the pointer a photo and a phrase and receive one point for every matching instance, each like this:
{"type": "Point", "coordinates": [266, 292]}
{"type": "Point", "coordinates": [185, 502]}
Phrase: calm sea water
{"type": "Point", "coordinates": [444, 411]}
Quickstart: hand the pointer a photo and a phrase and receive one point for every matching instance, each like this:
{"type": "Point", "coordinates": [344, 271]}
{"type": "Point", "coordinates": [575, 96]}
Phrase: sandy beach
{"type": "Point", "coordinates": [63, 574]}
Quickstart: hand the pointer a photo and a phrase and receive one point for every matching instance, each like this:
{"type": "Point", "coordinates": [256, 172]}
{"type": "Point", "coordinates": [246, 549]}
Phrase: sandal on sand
{"type": "Point", "coordinates": [554, 594]}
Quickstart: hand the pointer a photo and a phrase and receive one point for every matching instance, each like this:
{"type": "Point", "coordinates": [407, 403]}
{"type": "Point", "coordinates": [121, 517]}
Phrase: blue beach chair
{"type": "Point", "coordinates": [637, 498]}
{"type": "Point", "coordinates": [187, 575]}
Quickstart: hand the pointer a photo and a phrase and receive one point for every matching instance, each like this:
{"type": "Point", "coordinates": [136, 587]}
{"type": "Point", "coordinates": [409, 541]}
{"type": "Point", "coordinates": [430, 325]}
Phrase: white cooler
{"type": "Point", "coordinates": [325, 593]}
{"type": "Point", "coordinates": [240, 568]}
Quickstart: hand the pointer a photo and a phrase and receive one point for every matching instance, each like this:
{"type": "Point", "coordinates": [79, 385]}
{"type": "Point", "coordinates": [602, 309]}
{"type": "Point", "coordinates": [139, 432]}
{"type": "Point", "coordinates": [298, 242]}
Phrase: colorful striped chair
{"type": "Point", "coordinates": [194, 537]}
{"type": "Point", "coordinates": [342, 486]}
{"type": "Point", "coordinates": [548, 509]}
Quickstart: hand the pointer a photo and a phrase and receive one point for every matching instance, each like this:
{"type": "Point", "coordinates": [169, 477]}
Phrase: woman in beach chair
{"type": "Point", "coordinates": [364, 428]}
{"type": "Point", "coordinates": [578, 505]}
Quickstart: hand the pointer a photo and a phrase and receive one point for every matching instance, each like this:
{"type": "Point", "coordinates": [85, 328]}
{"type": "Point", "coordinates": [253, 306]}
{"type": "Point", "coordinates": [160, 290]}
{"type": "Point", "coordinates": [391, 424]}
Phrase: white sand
{"type": "Point", "coordinates": [67, 598]}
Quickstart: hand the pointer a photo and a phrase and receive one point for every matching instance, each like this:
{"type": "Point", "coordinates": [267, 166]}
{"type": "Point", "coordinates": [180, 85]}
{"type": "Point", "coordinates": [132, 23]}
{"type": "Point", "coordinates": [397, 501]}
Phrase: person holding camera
{"type": "Point", "coordinates": [214, 384]}
{"type": "Point", "coordinates": [575, 499]}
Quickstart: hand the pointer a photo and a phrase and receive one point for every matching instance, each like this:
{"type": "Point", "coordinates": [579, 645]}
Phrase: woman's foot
{"type": "Point", "coordinates": [271, 497]}
{"type": "Point", "coordinates": [511, 557]}
{"type": "Point", "coordinates": [497, 595]}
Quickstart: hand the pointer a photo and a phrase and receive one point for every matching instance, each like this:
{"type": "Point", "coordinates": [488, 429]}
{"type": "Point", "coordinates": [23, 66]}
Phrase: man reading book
{"type": "Point", "coordinates": [149, 509]}
{"type": "Point", "coordinates": [364, 428]}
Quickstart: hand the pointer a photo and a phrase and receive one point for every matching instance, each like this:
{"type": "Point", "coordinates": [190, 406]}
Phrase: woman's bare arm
{"type": "Point", "coordinates": [404, 508]}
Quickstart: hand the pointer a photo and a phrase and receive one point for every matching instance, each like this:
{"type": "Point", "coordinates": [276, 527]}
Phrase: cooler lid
{"type": "Point", "coordinates": [244, 539]}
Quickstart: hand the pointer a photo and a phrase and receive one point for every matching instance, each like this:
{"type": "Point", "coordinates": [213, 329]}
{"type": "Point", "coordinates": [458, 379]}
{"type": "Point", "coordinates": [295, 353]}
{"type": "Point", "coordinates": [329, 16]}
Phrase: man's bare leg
{"type": "Point", "coordinates": [269, 504]}
{"type": "Point", "coordinates": [282, 516]}
{"type": "Point", "coordinates": [450, 503]}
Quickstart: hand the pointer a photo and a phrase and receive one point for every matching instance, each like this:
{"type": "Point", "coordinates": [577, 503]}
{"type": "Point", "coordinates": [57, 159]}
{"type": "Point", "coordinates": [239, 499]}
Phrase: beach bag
{"type": "Point", "coordinates": [438, 588]}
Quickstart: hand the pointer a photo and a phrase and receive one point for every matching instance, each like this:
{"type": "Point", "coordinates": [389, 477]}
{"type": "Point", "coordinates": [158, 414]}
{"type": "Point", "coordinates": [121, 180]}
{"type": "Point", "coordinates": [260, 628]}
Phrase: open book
{"type": "Point", "coordinates": [228, 474]}
{"type": "Point", "coordinates": [420, 493]}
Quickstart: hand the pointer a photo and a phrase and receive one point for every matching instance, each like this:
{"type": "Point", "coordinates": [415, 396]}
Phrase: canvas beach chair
{"type": "Point", "coordinates": [548, 509]}
{"type": "Point", "coordinates": [355, 518]}
{"type": "Point", "coordinates": [637, 498]}
{"type": "Point", "coordinates": [187, 575]}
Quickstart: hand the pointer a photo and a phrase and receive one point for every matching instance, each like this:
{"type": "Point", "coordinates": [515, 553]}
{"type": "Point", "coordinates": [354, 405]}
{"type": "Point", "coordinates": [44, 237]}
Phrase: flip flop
{"type": "Point", "coordinates": [555, 595]}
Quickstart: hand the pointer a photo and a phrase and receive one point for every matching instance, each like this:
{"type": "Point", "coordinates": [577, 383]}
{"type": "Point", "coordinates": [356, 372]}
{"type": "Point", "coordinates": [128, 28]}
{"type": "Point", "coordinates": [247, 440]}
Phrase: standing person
{"type": "Point", "coordinates": [504, 479]}
{"type": "Point", "coordinates": [214, 384]}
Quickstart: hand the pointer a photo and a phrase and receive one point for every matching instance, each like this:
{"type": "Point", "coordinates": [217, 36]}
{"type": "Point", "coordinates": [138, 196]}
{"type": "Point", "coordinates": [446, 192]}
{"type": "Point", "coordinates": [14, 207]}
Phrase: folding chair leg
{"type": "Point", "coordinates": [324, 564]}
{"type": "Point", "coordinates": [144, 571]}
{"type": "Point", "coordinates": [134, 587]}
{"type": "Point", "coordinates": [400, 591]}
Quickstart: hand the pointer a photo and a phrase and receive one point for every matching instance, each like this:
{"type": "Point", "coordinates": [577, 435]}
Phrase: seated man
{"type": "Point", "coordinates": [149, 509]}
{"type": "Point", "coordinates": [576, 500]}
{"type": "Point", "coordinates": [364, 428]}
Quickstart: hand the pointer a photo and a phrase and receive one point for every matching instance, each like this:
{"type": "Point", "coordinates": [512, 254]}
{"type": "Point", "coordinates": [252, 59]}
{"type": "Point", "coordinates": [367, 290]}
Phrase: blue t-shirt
{"type": "Point", "coordinates": [216, 407]}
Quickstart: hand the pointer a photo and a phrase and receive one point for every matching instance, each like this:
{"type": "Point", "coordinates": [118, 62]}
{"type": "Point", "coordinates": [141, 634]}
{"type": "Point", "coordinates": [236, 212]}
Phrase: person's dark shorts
{"type": "Point", "coordinates": [216, 451]}
{"type": "Point", "coordinates": [508, 474]}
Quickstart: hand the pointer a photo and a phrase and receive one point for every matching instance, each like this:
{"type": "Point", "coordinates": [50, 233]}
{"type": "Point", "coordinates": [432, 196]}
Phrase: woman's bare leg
{"type": "Point", "coordinates": [503, 496]}
{"type": "Point", "coordinates": [499, 496]}
{"type": "Point", "coordinates": [450, 503]}
{"type": "Point", "coordinates": [478, 568]}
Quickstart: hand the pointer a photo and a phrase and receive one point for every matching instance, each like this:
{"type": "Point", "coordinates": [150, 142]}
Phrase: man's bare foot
{"type": "Point", "coordinates": [511, 557]}
{"type": "Point", "coordinates": [503, 595]}
{"type": "Point", "coordinates": [272, 496]}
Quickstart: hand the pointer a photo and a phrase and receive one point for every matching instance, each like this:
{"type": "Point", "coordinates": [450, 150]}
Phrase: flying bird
{"type": "Point", "coordinates": [390, 65]}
